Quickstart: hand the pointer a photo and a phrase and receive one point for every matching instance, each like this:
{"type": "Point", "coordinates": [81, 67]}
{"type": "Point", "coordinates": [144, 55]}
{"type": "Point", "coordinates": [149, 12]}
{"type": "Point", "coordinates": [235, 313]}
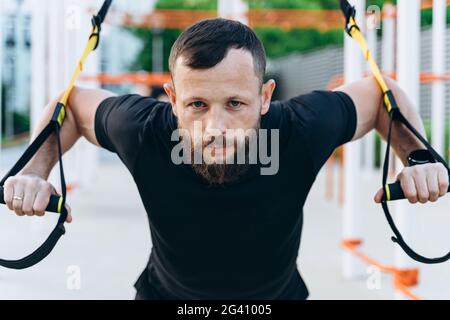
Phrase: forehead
{"type": "Point", "coordinates": [235, 72]}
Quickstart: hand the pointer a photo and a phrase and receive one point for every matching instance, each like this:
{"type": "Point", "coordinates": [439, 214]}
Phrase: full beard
{"type": "Point", "coordinates": [223, 173]}
{"type": "Point", "coordinates": [218, 174]}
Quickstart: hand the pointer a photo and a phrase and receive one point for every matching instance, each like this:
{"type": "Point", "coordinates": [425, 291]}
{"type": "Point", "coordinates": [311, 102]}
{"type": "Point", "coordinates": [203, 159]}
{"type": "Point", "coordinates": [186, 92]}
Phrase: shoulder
{"type": "Point", "coordinates": [129, 102]}
{"type": "Point", "coordinates": [317, 105]}
{"type": "Point", "coordinates": [295, 108]}
{"type": "Point", "coordinates": [135, 109]}
{"type": "Point", "coordinates": [317, 111]}
{"type": "Point", "coordinates": [319, 99]}
{"type": "Point", "coordinates": [130, 116]}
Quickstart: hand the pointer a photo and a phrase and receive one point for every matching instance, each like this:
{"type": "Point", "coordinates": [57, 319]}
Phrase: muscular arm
{"type": "Point", "coordinates": [420, 183]}
{"type": "Point", "coordinates": [30, 184]}
{"type": "Point", "coordinates": [79, 122]}
{"type": "Point", "coordinates": [371, 113]}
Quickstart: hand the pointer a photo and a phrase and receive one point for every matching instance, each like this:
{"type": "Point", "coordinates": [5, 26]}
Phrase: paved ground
{"type": "Point", "coordinates": [107, 245]}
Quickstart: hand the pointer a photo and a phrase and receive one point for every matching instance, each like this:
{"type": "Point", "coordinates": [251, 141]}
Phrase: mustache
{"type": "Point", "coordinates": [223, 141]}
{"type": "Point", "coordinates": [214, 141]}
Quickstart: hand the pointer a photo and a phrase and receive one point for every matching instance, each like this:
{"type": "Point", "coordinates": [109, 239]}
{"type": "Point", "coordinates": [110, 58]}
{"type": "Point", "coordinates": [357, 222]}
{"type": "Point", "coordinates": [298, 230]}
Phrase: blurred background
{"type": "Point", "coordinates": [345, 253]}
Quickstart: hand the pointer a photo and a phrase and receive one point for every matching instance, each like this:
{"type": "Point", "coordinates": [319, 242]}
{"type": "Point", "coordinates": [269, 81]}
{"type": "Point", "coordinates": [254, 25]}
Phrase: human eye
{"type": "Point", "coordinates": [197, 105]}
{"type": "Point", "coordinates": [235, 104]}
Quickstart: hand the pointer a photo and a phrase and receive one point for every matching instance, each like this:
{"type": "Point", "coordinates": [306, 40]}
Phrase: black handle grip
{"type": "Point", "coordinates": [396, 192]}
{"type": "Point", "coordinates": [52, 205]}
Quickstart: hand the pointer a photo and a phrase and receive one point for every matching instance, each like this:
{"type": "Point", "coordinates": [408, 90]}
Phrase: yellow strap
{"type": "Point", "coordinates": [359, 38]}
{"type": "Point", "coordinates": [387, 192]}
{"type": "Point", "coordinates": [87, 50]}
{"type": "Point", "coordinates": [60, 204]}
{"type": "Point", "coordinates": [61, 116]}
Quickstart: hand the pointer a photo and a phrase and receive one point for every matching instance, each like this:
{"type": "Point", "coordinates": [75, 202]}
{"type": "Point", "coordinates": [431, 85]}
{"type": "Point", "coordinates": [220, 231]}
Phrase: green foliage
{"type": "Point", "coordinates": [293, 4]}
{"type": "Point", "coordinates": [304, 4]}
{"type": "Point", "coordinates": [144, 59]}
{"type": "Point", "coordinates": [277, 42]}
{"type": "Point", "coordinates": [379, 3]}
{"type": "Point", "coordinates": [187, 4]}
{"type": "Point", "coordinates": [427, 17]}
{"type": "Point", "coordinates": [21, 123]}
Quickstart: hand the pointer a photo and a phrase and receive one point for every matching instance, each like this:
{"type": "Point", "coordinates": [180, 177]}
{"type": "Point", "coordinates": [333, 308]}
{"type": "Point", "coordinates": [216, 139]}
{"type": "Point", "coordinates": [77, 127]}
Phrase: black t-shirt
{"type": "Point", "coordinates": [238, 241]}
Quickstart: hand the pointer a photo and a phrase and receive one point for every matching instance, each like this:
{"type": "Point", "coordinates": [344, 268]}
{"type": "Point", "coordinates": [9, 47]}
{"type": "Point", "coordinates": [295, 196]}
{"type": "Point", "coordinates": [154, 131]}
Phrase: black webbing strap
{"type": "Point", "coordinates": [98, 19]}
{"type": "Point", "coordinates": [43, 251]}
{"type": "Point", "coordinates": [54, 127]}
{"type": "Point", "coordinates": [395, 114]}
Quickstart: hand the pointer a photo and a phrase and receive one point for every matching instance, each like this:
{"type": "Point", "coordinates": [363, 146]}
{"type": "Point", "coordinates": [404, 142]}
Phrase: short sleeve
{"type": "Point", "coordinates": [325, 120]}
{"type": "Point", "coordinates": [120, 124]}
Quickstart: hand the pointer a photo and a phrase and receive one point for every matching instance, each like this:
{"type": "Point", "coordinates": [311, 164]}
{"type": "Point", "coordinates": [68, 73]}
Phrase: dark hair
{"type": "Point", "coordinates": [206, 43]}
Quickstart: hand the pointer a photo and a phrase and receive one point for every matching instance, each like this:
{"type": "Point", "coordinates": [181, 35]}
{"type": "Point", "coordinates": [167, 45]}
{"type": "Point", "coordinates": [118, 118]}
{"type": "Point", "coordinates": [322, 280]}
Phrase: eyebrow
{"type": "Point", "coordinates": [237, 98]}
{"type": "Point", "coordinates": [198, 98]}
{"type": "Point", "coordinates": [230, 98]}
{"type": "Point", "coordinates": [195, 98]}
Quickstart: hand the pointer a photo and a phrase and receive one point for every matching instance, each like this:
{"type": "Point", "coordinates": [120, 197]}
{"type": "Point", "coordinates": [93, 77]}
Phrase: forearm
{"type": "Point", "coordinates": [79, 122]}
{"type": "Point", "coordinates": [46, 157]}
{"type": "Point", "coordinates": [403, 140]}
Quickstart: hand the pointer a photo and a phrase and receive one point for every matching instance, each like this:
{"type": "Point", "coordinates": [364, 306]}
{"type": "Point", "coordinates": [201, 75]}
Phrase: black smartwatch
{"type": "Point", "coordinates": [420, 157]}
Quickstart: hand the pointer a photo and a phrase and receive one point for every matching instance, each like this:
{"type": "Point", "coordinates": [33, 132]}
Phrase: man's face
{"type": "Point", "coordinates": [227, 96]}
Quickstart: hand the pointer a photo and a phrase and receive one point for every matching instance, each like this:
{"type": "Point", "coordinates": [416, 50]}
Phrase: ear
{"type": "Point", "coordinates": [170, 91]}
{"type": "Point", "coordinates": [266, 94]}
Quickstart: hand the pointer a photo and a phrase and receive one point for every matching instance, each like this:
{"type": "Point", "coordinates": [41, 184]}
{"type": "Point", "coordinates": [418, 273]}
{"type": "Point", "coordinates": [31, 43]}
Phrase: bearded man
{"type": "Point", "coordinates": [223, 228]}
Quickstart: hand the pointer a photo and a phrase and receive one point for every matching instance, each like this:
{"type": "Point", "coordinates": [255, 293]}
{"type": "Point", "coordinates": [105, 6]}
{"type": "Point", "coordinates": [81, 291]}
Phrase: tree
{"type": "Point", "coordinates": [277, 42]}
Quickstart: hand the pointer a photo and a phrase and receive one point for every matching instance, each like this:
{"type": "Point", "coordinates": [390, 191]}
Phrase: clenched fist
{"type": "Point", "coordinates": [422, 183]}
{"type": "Point", "coordinates": [29, 195]}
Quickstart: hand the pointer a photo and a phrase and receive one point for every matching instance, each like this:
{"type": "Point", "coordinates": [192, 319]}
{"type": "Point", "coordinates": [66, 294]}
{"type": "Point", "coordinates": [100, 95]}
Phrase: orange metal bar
{"type": "Point", "coordinates": [425, 78]}
{"type": "Point", "coordinates": [155, 79]}
{"type": "Point", "coordinates": [296, 19]}
{"type": "Point", "coordinates": [281, 18]}
{"type": "Point", "coordinates": [428, 4]}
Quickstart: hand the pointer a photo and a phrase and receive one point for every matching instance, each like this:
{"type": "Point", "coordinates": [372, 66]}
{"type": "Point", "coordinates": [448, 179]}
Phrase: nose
{"type": "Point", "coordinates": [215, 124]}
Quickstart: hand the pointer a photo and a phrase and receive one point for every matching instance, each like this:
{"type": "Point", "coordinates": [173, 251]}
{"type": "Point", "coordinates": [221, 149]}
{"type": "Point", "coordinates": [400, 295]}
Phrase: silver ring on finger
{"type": "Point", "coordinates": [17, 198]}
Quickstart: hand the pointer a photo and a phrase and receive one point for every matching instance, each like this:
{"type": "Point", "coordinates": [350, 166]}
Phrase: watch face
{"type": "Point", "coordinates": [420, 157]}
{"type": "Point", "coordinates": [415, 162]}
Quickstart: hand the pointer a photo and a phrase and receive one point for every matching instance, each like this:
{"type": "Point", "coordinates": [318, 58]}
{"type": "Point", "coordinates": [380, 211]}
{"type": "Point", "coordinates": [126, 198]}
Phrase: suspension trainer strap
{"type": "Point", "coordinates": [54, 127]}
{"type": "Point", "coordinates": [395, 114]}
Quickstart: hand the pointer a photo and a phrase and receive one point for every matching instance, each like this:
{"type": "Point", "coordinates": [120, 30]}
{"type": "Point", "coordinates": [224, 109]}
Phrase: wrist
{"type": "Point", "coordinates": [420, 156]}
{"type": "Point", "coordinates": [42, 173]}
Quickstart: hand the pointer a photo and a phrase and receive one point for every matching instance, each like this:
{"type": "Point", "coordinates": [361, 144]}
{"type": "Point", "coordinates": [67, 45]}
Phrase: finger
{"type": "Point", "coordinates": [422, 187]}
{"type": "Point", "coordinates": [69, 214]}
{"type": "Point", "coordinates": [409, 188]}
{"type": "Point", "coordinates": [17, 203]}
{"type": "Point", "coordinates": [41, 202]}
{"type": "Point", "coordinates": [379, 196]}
{"type": "Point", "coordinates": [433, 185]}
{"type": "Point", "coordinates": [443, 182]}
{"type": "Point", "coordinates": [8, 192]}
{"type": "Point", "coordinates": [29, 196]}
